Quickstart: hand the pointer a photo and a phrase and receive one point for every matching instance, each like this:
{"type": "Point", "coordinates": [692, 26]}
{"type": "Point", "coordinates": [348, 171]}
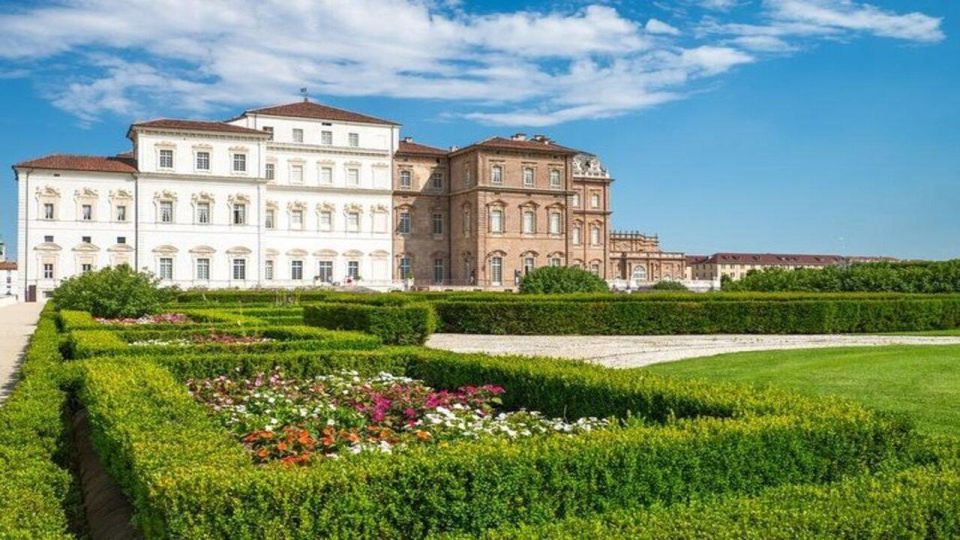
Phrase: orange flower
{"type": "Point", "coordinates": [423, 435]}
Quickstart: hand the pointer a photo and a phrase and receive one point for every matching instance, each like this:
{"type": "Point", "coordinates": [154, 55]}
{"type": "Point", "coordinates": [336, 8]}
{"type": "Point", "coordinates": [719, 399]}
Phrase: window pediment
{"type": "Point", "coordinates": [121, 195]}
{"type": "Point", "coordinates": [86, 248]}
{"type": "Point", "coordinates": [165, 195]}
{"type": "Point", "coordinates": [325, 207]}
{"type": "Point", "coordinates": [202, 250]}
{"type": "Point", "coordinates": [48, 247]}
{"type": "Point", "coordinates": [296, 205]}
{"type": "Point", "coordinates": [48, 192]}
{"type": "Point", "coordinates": [297, 253]}
{"type": "Point", "coordinates": [86, 193]}
{"type": "Point", "coordinates": [353, 207]}
{"type": "Point", "coordinates": [238, 198]}
{"type": "Point", "coordinates": [203, 196]}
{"type": "Point", "coordinates": [354, 253]}
{"type": "Point", "coordinates": [325, 253]}
{"type": "Point", "coordinates": [165, 250]}
{"type": "Point", "coordinates": [238, 250]}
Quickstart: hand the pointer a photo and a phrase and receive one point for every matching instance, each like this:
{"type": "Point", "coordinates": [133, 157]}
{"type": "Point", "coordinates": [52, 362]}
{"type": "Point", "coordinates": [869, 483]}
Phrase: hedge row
{"type": "Point", "coordinates": [747, 317]}
{"type": "Point", "coordinates": [201, 318]}
{"type": "Point", "coordinates": [922, 502]}
{"type": "Point", "coordinates": [396, 325]}
{"type": "Point", "coordinates": [88, 343]}
{"type": "Point", "coordinates": [38, 498]}
{"type": "Point", "coordinates": [188, 478]}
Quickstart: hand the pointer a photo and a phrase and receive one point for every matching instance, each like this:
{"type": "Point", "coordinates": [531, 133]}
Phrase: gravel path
{"type": "Point", "coordinates": [637, 351]}
{"type": "Point", "coordinates": [17, 322]}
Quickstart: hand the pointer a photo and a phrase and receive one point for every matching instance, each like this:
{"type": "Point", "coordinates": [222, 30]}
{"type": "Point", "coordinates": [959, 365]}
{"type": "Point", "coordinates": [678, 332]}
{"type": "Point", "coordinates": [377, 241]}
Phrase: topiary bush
{"type": "Point", "coordinates": [561, 279]}
{"type": "Point", "coordinates": [111, 292]}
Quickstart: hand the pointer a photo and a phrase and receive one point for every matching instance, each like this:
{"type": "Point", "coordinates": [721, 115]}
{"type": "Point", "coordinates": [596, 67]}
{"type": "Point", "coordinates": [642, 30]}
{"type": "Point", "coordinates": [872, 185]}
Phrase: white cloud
{"type": "Point", "coordinates": [139, 58]}
{"type": "Point", "coordinates": [720, 5]}
{"type": "Point", "coordinates": [654, 26]}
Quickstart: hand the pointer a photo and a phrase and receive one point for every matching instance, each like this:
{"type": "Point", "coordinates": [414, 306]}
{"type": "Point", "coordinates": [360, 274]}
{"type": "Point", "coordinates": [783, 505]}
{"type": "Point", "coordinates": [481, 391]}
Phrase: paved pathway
{"type": "Point", "coordinates": [637, 351]}
{"type": "Point", "coordinates": [17, 322]}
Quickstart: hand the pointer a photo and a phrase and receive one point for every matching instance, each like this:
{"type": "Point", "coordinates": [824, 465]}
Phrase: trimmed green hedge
{"type": "Point", "coordinates": [189, 478]}
{"type": "Point", "coordinates": [38, 497]}
{"type": "Point", "coordinates": [88, 343]}
{"type": "Point", "coordinates": [706, 317]}
{"type": "Point", "coordinates": [200, 318]}
{"type": "Point", "coordinates": [410, 324]}
{"type": "Point", "coordinates": [922, 502]}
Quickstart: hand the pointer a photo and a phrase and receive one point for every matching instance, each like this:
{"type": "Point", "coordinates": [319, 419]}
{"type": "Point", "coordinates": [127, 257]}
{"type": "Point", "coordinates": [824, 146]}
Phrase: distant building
{"type": "Point", "coordinates": [637, 257]}
{"type": "Point", "coordinates": [736, 265]}
{"type": "Point", "coordinates": [8, 273]}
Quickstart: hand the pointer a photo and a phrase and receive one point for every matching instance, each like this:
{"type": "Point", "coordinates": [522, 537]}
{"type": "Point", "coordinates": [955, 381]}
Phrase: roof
{"type": "Point", "coordinates": [69, 162]}
{"type": "Point", "coordinates": [197, 125]}
{"type": "Point", "coordinates": [503, 143]}
{"type": "Point", "coordinates": [696, 259]}
{"type": "Point", "coordinates": [410, 147]}
{"type": "Point", "coordinates": [309, 109]}
{"type": "Point", "coordinates": [775, 259]}
{"type": "Point", "coordinates": [8, 265]}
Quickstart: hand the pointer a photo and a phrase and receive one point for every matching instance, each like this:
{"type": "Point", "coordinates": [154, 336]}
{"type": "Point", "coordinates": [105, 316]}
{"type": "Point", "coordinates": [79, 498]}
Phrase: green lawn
{"type": "Point", "coordinates": [921, 381]}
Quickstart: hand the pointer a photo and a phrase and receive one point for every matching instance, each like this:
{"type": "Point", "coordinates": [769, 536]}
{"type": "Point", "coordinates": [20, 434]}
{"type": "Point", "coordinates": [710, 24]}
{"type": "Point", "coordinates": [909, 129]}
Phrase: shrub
{"type": "Point", "coordinates": [906, 277]}
{"type": "Point", "coordinates": [188, 479]}
{"type": "Point", "coordinates": [396, 325]}
{"type": "Point", "coordinates": [752, 316]}
{"type": "Point", "coordinates": [561, 279]}
{"type": "Point", "coordinates": [38, 498]}
{"type": "Point", "coordinates": [111, 292]}
{"type": "Point", "coordinates": [668, 285]}
{"type": "Point", "coordinates": [922, 502]}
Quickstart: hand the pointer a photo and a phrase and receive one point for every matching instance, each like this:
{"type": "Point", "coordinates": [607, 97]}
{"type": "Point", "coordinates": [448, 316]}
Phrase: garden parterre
{"type": "Point", "coordinates": [671, 443]}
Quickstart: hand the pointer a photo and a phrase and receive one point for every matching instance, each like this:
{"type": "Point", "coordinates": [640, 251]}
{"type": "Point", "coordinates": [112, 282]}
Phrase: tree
{"type": "Point", "coordinates": [561, 279]}
{"type": "Point", "coordinates": [111, 292]}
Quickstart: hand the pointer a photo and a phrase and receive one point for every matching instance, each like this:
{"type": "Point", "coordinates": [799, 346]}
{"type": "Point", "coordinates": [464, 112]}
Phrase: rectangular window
{"type": "Point", "coordinates": [121, 212]}
{"type": "Point", "coordinates": [326, 220]}
{"type": "Point", "coordinates": [121, 239]}
{"type": "Point", "coordinates": [269, 219]}
{"type": "Point", "coordinates": [467, 177]}
{"type": "Point", "coordinates": [268, 270]}
{"type": "Point", "coordinates": [496, 270]}
{"type": "Point", "coordinates": [555, 223]}
{"type": "Point", "coordinates": [86, 212]}
{"type": "Point", "coordinates": [203, 269]}
{"type": "Point", "coordinates": [297, 135]}
{"type": "Point", "coordinates": [406, 180]}
{"type": "Point", "coordinates": [554, 178]}
{"type": "Point", "coordinates": [528, 176]}
{"type": "Point", "coordinates": [353, 139]}
{"type": "Point", "coordinates": [595, 200]}
{"type": "Point", "coordinates": [436, 180]}
{"type": "Point", "coordinates": [296, 270]}
{"type": "Point", "coordinates": [576, 200]}
{"type": "Point", "coordinates": [48, 238]}
{"type": "Point", "coordinates": [466, 222]}
{"type": "Point", "coordinates": [203, 161]}
{"type": "Point", "coordinates": [555, 261]}
{"type": "Point", "coordinates": [529, 222]}
{"type": "Point", "coordinates": [595, 236]}
{"type": "Point", "coordinates": [48, 211]}
{"type": "Point", "coordinates": [47, 271]}
{"type": "Point", "coordinates": [353, 177]}
{"type": "Point", "coordinates": [496, 221]}
{"type": "Point", "coordinates": [404, 226]}
{"type": "Point", "coordinates": [166, 211]}
{"type": "Point", "coordinates": [271, 171]}
{"type": "Point", "coordinates": [438, 224]}
{"type": "Point", "coordinates": [166, 159]}
{"type": "Point", "coordinates": [296, 174]}
{"type": "Point", "coordinates": [439, 272]}
{"type": "Point", "coordinates": [203, 213]}
{"type": "Point", "coordinates": [240, 269]}
{"type": "Point", "coordinates": [326, 175]}
{"type": "Point", "coordinates": [85, 239]}
{"type": "Point", "coordinates": [86, 267]}
{"type": "Point", "coordinates": [269, 129]}
{"type": "Point", "coordinates": [326, 138]}
{"type": "Point", "coordinates": [528, 265]}
{"type": "Point", "coordinates": [575, 235]}
{"type": "Point", "coordinates": [595, 269]}
{"type": "Point", "coordinates": [325, 271]}
{"type": "Point", "coordinates": [166, 268]}
{"type": "Point", "coordinates": [353, 222]}
{"type": "Point", "coordinates": [353, 269]}
{"type": "Point", "coordinates": [296, 220]}
{"type": "Point", "coordinates": [405, 272]}
{"type": "Point", "coordinates": [239, 214]}
{"type": "Point", "coordinates": [496, 174]}
{"type": "Point", "coordinates": [239, 163]}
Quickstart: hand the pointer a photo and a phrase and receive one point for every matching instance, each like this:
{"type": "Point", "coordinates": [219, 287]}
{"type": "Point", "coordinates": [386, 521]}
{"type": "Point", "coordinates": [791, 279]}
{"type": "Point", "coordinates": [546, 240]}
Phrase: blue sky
{"type": "Point", "coordinates": [827, 126]}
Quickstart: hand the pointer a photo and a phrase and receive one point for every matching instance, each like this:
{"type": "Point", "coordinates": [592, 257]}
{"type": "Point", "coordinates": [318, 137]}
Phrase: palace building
{"type": "Point", "coordinates": [304, 194]}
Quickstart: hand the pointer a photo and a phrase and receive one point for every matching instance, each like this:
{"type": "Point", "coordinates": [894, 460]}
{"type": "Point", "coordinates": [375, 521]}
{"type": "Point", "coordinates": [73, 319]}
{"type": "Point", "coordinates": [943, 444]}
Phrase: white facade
{"type": "Point", "coordinates": [212, 205]}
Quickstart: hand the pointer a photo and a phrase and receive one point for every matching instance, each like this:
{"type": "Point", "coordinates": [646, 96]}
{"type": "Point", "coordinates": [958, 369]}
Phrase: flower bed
{"type": "Point", "coordinates": [213, 337]}
{"type": "Point", "coordinates": [298, 420]}
{"type": "Point", "coordinates": [161, 318]}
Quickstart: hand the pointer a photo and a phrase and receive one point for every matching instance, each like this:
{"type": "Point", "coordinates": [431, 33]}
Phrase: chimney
{"type": "Point", "coordinates": [542, 138]}
{"type": "Point", "coordinates": [519, 136]}
{"type": "Point", "coordinates": [408, 139]}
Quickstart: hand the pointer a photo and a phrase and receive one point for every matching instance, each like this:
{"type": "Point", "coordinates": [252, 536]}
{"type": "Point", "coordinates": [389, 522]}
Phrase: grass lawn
{"type": "Point", "coordinates": [920, 381]}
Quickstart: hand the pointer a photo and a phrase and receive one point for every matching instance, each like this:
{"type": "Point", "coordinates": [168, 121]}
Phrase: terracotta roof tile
{"type": "Point", "coordinates": [772, 259]}
{"type": "Point", "coordinates": [8, 265]}
{"type": "Point", "coordinates": [308, 109]}
{"type": "Point", "coordinates": [410, 147]}
{"type": "Point", "coordinates": [68, 162]}
{"type": "Point", "coordinates": [504, 143]}
{"type": "Point", "coordinates": [198, 125]}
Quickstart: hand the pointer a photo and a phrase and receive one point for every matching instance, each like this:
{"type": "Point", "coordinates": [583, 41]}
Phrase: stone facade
{"type": "Point", "coordinates": [637, 258]}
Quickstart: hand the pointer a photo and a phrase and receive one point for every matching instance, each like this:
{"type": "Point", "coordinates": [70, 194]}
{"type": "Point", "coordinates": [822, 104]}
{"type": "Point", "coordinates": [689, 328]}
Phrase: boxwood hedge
{"type": "Point", "coordinates": [409, 324]}
{"type": "Point", "coordinates": [189, 478]}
